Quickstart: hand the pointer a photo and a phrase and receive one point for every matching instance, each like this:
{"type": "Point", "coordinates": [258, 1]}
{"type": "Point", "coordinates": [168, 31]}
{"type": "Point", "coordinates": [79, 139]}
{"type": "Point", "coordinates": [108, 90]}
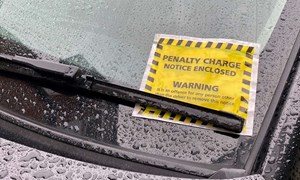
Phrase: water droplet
{"type": "Point", "coordinates": [43, 174]}
{"type": "Point", "coordinates": [112, 177]}
{"type": "Point", "coordinates": [271, 160]}
{"type": "Point", "coordinates": [15, 177]}
{"type": "Point", "coordinates": [8, 158]}
{"type": "Point", "coordinates": [54, 160]}
{"type": "Point", "coordinates": [268, 169]}
{"type": "Point", "coordinates": [10, 152]}
{"type": "Point", "coordinates": [61, 171]}
{"type": "Point", "coordinates": [69, 175]}
{"type": "Point", "coordinates": [3, 173]}
{"type": "Point", "coordinates": [211, 147]}
{"type": "Point", "coordinates": [33, 166]}
{"type": "Point", "coordinates": [23, 171]}
{"type": "Point", "coordinates": [24, 164]}
{"type": "Point", "coordinates": [43, 165]}
{"type": "Point", "coordinates": [129, 176]}
{"type": "Point", "coordinates": [76, 128]}
{"type": "Point", "coordinates": [32, 155]}
{"type": "Point", "coordinates": [87, 175]}
{"type": "Point", "coordinates": [136, 145]}
{"type": "Point", "coordinates": [66, 124]}
{"type": "Point", "coordinates": [195, 151]}
{"type": "Point", "coordinates": [294, 112]}
{"type": "Point", "coordinates": [159, 146]}
{"type": "Point", "coordinates": [120, 175]}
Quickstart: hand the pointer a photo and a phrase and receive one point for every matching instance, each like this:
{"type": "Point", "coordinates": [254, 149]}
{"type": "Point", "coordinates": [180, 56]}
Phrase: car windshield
{"type": "Point", "coordinates": [113, 39]}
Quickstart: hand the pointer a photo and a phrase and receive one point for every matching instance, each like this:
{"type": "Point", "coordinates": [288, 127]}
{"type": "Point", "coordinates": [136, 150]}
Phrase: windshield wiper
{"type": "Point", "coordinates": [73, 77]}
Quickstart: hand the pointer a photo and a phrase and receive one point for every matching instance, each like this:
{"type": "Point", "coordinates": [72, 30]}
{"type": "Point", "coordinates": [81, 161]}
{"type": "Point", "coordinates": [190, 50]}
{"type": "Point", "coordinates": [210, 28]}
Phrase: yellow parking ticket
{"type": "Point", "coordinates": [219, 74]}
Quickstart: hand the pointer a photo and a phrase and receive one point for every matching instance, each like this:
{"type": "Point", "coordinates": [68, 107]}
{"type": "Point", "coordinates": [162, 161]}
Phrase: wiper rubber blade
{"type": "Point", "coordinates": [72, 76]}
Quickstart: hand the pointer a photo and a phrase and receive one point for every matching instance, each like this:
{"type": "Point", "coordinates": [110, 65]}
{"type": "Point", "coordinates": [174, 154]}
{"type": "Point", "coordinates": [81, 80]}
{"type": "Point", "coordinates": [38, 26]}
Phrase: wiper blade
{"type": "Point", "coordinates": [72, 76]}
{"type": "Point", "coordinates": [47, 66]}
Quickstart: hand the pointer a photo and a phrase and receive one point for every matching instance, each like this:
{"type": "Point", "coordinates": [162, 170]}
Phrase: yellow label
{"type": "Point", "coordinates": [209, 75]}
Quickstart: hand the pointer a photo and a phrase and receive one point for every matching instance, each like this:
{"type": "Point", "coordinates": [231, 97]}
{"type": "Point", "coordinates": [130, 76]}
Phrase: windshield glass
{"type": "Point", "coordinates": [114, 39]}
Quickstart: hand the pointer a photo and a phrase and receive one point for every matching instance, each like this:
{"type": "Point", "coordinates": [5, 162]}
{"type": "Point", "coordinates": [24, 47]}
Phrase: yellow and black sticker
{"type": "Point", "coordinates": [219, 74]}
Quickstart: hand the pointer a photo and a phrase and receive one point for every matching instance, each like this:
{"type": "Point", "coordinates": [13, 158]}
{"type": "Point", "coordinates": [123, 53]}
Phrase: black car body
{"type": "Point", "coordinates": [102, 131]}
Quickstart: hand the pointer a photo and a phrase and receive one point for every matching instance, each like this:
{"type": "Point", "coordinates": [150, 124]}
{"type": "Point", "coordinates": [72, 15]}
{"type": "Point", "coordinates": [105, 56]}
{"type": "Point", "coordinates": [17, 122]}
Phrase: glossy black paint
{"type": "Point", "coordinates": [281, 132]}
{"type": "Point", "coordinates": [283, 103]}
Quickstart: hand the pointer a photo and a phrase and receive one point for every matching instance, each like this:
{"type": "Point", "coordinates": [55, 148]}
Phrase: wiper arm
{"type": "Point", "coordinates": [72, 76]}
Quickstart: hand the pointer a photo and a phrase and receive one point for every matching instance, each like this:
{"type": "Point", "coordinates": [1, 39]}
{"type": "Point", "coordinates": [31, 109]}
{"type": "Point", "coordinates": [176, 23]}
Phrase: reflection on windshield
{"type": "Point", "coordinates": [116, 36]}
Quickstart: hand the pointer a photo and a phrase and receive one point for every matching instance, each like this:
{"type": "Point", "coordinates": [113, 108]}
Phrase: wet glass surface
{"type": "Point", "coordinates": [113, 38]}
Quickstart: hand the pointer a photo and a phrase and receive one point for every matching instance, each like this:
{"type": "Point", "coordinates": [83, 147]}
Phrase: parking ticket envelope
{"type": "Point", "coordinates": [219, 74]}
